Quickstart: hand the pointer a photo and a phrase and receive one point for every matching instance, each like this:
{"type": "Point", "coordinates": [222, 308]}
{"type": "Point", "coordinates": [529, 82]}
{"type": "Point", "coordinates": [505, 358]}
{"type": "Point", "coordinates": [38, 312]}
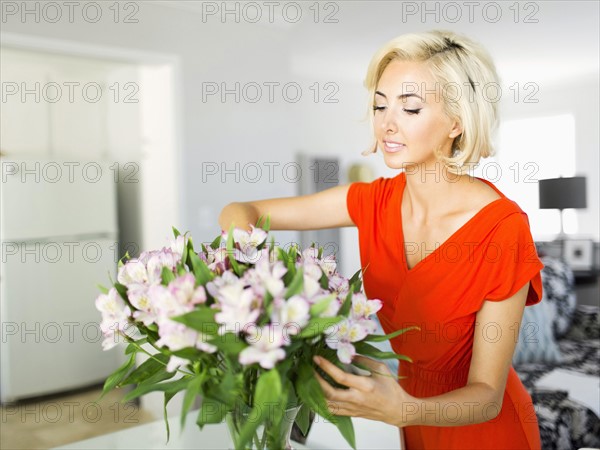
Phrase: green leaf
{"type": "Point", "coordinates": [324, 281]}
{"type": "Point", "coordinates": [227, 390]}
{"type": "Point", "coordinates": [229, 343]}
{"type": "Point", "coordinates": [122, 290]}
{"type": "Point", "coordinates": [102, 289]}
{"type": "Point", "coordinates": [344, 424]}
{"type": "Point", "coordinates": [345, 308]}
{"type": "Point", "coordinates": [211, 411]}
{"type": "Point", "coordinates": [368, 350]}
{"type": "Point", "coordinates": [296, 285]}
{"type": "Point", "coordinates": [303, 418]}
{"type": "Point", "coordinates": [170, 387]}
{"type": "Point", "coordinates": [166, 275]}
{"type": "Point", "coordinates": [318, 325]}
{"type": "Point", "coordinates": [321, 306]}
{"type": "Point", "coordinates": [354, 278]}
{"type": "Point", "coordinates": [167, 398]}
{"type": "Point", "coordinates": [387, 337]}
{"type": "Point", "coordinates": [134, 346]}
{"type": "Point", "coordinates": [115, 378]}
{"type": "Point", "coordinates": [176, 232]}
{"type": "Point", "coordinates": [267, 400]}
{"type": "Point", "coordinates": [216, 242]}
{"type": "Point", "coordinates": [229, 246]}
{"type": "Point", "coordinates": [310, 392]}
{"type": "Point", "coordinates": [202, 319]}
{"type": "Point", "coordinates": [148, 368]}
{"type": "Point", "coordinates": [193, 390]}
{"type": "Point", "coordinates": [201, 271]}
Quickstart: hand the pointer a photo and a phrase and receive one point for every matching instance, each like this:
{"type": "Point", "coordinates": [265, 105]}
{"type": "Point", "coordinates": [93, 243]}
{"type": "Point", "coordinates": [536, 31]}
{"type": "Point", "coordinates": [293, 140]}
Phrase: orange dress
{"type": "Point", "coordinates": [489, 258]}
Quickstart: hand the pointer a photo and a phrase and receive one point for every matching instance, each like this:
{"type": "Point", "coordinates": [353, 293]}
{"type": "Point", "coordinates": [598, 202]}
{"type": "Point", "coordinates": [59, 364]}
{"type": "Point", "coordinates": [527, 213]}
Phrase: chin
{"type": "Point", "coordinates": [396, 161]}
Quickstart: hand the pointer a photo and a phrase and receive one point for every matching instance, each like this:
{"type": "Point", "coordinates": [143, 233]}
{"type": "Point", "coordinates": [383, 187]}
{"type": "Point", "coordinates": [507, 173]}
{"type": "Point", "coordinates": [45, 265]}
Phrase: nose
{"type": "Point", "coordinates": [388, 122]}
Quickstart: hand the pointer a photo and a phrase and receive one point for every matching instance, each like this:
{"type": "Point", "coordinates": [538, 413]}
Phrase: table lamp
{"type": "Point", "coordinates": [562, 193]}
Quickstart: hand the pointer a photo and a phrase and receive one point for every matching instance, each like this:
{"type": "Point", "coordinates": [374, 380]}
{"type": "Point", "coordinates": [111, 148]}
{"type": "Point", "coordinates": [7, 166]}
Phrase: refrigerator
{"type": "Point", "coordinates": [59, 239]}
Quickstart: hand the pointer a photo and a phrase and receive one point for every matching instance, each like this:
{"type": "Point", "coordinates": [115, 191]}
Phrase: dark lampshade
{"type": "Point", "coordinates": [562, 193]}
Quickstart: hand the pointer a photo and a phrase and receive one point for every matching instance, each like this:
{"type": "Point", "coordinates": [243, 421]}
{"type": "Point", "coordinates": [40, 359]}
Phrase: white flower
{"type": "Point", "coordinates": [175, 362]}
{"type": "Point", "coordinates": [291, 315]}
{"type": "Point", "coordinates": [362, 308]}
{"type": "Point", "coordinates": [265, 347]}
{"type": "Point", "coordinates": [238, 312]}
{"type": "Point", "coordinates": [115, 316]}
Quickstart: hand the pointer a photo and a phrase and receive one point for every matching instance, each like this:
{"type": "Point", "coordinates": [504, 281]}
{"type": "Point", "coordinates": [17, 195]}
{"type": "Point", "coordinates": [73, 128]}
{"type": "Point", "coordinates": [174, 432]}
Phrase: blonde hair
{"type": "Point", "coordinates": [455, 62]}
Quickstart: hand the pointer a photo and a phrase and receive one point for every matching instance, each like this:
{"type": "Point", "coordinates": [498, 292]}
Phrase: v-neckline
{"type": "Point", "coordinates": [402, 180]}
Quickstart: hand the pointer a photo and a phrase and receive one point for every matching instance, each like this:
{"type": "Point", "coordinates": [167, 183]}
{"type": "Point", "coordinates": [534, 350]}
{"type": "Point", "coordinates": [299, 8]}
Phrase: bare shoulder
{"type": "Point", "coordinates": [479, 193]}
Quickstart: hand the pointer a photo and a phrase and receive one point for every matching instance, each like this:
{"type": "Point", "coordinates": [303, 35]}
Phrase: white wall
{"type": "Point", "coordinates": [549, 51]}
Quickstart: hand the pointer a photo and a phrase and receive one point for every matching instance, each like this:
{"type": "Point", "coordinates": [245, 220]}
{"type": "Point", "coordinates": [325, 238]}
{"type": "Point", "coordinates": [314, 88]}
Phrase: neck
{"type": "Point", "coordinates": [431, 190]}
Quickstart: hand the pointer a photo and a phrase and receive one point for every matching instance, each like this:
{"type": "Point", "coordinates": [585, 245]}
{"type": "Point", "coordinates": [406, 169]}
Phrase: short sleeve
{"type": "Point", "coordinates": [510, 260]}
{"type": "Point", "coordinates": [353, 200]}
{"type": "Point", "coordinates": [360, 202]}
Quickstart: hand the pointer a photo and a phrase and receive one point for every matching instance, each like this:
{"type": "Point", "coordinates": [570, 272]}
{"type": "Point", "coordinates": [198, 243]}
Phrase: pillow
{"type": "Point", "coordinates": [536, 343]}
{"type": "Point", "coordinates": [586, 323]}
{"type": "Point", "coordinates": [559, 290]}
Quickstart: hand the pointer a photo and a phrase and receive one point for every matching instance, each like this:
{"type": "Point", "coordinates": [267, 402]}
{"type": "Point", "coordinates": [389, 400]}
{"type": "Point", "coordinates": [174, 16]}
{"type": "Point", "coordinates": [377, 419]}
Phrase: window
{"type": "Point", "coordinates": [529, 150]}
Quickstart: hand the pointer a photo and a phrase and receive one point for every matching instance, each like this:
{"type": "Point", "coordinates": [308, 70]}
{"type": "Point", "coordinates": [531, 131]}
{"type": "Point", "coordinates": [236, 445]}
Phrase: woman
{"type": "Point", "coordinates": [445, 251]}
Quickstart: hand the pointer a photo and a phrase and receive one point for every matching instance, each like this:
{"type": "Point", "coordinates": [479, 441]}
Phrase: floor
{"type": "Point", "coordinates": [57, 420]}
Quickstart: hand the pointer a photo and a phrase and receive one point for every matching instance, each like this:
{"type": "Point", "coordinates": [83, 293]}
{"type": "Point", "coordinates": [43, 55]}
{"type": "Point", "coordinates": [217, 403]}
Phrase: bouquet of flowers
{"type": "Point", "coordinates": [238, 325]}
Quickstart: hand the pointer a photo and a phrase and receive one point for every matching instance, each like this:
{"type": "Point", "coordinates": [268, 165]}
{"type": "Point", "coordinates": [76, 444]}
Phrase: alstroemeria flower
{"type": "Point", "coordinates": [346, 332]}
{"type": "Point", "coordinates": [132, 272]}
{"type": "Point", "coordinates": [157, 260]}
{"type": "Point", "coordinates": [217, 259]}
{"type": "Point", "coordinates": [270, 275]}
{"type": "Point", "coordinates": [246, 243]}
{"type": "Point", "coordinates": [340, 285]}
{"type": "Point", "coordinates": [291, 315]}
{"type": "Point", "coordinates": [176, 336]}
{"type": "Point", "coordinates": [328, 264]}
{"type": "Point", "coordinates": [138, 297]}
{"type": "Point", "coordinates": [265, 347]}
{"type": "Point", "coordinates": [238, 312]}
{"type": "Point", "coordinates": [178, 245]}
{"type": "Point", "coordinates": [115, 316]}
{"type": "Point", "coordinates": [333, 307]}
{"type": "Point", "coordinates": [362, 307]}
{"type": "Point", "coordinates": [147, 268]}
{"type": "Point", "coordinates": [175, 362]}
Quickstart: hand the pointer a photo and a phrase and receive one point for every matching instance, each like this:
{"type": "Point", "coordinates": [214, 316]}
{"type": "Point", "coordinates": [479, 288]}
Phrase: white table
{"type": "Point", "coordinates": [323, 435]}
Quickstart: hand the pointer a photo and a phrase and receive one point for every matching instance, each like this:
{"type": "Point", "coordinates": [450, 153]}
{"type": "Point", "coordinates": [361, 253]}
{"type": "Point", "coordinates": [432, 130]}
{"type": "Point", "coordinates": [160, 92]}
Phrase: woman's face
{"type": "Point", "coordinates": [409, 119]}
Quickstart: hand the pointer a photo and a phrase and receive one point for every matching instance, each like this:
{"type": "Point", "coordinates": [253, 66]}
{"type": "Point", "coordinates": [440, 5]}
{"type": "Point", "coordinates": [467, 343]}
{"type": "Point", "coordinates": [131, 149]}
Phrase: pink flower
{"type": "Point", "coordinates": [291, 315]}
{"type": "Point", "coordinates": [176, 336]}
{"type": "Point", "coordinates": [265, 347]}
{"type": "Point", "coordinates": [115, 317]}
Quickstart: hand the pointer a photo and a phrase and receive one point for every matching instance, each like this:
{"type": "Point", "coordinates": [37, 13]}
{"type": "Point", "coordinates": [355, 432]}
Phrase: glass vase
{"type": "Point", "coordinates": [269, 435]}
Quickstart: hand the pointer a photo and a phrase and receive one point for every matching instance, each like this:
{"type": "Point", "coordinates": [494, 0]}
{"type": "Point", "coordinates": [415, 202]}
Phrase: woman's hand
{"type": "Point", "coordinates": [376, 397]}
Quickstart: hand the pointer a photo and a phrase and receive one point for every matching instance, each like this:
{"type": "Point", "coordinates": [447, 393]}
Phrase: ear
{"type": "Point", "coordinates": [456, 129]}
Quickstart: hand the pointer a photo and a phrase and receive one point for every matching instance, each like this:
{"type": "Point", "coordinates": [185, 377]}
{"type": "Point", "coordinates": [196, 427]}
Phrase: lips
{"type": "Point", "coordinates": [392, 146]}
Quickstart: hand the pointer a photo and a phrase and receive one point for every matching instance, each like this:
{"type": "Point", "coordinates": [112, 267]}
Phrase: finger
{"type": "Point", "coordinates": [376, 367]}
{"type": "Point", "coordinates": [331, 393]}
{"type": "Point", "coordinates": [328, 389]}
{"type": "Point", "coordinates": [341, 377]}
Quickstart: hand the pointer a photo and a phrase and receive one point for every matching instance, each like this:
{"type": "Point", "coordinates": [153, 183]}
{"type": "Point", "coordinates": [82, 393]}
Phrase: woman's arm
{"type": "Point", "coordinates": [381, 397]}
{"type": "Point", "coordinates": [325, 209]}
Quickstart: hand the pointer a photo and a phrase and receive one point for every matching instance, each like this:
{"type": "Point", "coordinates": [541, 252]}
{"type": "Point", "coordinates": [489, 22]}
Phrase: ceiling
{"type": "Point", "coordinates": [544, 42]}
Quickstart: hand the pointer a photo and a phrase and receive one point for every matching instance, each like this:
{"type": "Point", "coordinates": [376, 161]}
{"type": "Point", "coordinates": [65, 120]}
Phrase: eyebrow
{"type": "Point", "coordinates": [401, 96]}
